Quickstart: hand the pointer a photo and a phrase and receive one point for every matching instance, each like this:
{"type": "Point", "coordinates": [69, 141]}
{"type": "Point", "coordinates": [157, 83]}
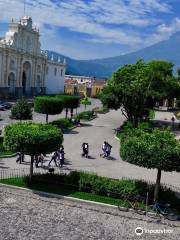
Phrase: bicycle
{"type": "Point", "coordinates": [158, 210]}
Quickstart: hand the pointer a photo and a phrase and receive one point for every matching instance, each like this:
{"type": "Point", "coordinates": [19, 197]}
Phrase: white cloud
{"type": "Point", "coordinates": [96, 18]}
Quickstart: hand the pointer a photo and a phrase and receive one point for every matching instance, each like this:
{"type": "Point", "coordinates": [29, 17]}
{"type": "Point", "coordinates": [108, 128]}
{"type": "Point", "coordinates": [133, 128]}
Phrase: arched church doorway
{"type": "Point", "coordinates": [11, 83]}
{"type": "Point", "coordinates": [26, 78]}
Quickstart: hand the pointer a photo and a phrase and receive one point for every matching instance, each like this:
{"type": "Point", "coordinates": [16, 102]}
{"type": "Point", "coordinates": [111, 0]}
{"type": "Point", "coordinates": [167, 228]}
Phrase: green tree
{"type": "Point", "coordinates": [137, 87]}
{"type": "Point", "coordinates": [21, 110]}
{"type": "Point", "coordinates": [85, 101]}
{"type": "Point", "coordinates": [156, 149]}
{"type": "Point", "coordinates": [69, 102]}
{"type": "Point", "coordinates": [48, 105]}
{"type": "Point", "coordinates": [32, 139]}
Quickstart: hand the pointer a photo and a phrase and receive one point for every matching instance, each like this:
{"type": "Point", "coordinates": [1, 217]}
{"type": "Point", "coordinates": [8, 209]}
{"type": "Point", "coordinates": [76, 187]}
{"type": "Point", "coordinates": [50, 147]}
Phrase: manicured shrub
{"type": "Point", "coordinates": [154, 149]}
{"type": "Point", "coordinates": [48, 105]}
{"type": "Point", "coordinates": [32, 139]}
{"type": "Point", "coordinates": [69, 102]}
{"type": "Point", "coordinates": [21, 110]}
{"type": "Point", "coordinates": [63, 123]}
{"type": "Point", "coordinates": [86, 115]}
{"type": "Point", "coordinates": [100, 110]}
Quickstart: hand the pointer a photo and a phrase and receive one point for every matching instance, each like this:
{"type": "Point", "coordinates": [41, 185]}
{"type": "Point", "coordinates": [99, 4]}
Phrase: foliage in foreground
{"type": "Point", "coordinates": [155, 149]}
{"type": "Point", "coordinates": [92, 187]}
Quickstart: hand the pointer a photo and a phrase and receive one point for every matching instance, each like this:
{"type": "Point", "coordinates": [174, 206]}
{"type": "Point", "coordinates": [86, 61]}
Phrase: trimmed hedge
{"type": "Point", "coordinates": [103, 186]}
{"type": "Point", "coordinates": [81, 183]}
{"type": "Point", "coordinates": [63, 123]}
{"type": "Point", "coordinates": [86, 115]}
{"type": "Point", "coordinates": [48, 105]}
{"type": "Point", "coordinates": [70, 102]}
{"type": "Point", "coordinates": [32, 138]}
{"type": "Point", "coordinates": [92, 183]}
{"type": "Point", "coordinates": [101, 110]}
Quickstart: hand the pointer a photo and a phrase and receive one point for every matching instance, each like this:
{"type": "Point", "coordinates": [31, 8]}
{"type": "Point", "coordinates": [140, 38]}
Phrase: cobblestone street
{"type": "Point", "coordinates": [28, 216]}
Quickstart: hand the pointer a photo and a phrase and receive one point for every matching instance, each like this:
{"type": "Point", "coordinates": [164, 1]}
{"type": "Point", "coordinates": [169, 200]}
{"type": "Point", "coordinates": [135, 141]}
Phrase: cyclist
{"type": "Point", "coordinates": [108, 150]}
{"type": "Point", "coordinates": [61, 157]}
{"type": "Point", "coordinates": [85, 147]}
{"type": "Point", "coordinates": [104, 149]}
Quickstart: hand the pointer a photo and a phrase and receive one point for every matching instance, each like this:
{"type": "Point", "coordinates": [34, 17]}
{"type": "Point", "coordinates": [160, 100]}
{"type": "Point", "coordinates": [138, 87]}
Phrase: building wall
{"type": "Point", "coordinates": [54, 78]}
{"type": "Point", "coordinates": [69, 89]}
{"type": "Point", "coordinates": [96, 90]}
{"type": "Point", "coordinates": [23, 64]}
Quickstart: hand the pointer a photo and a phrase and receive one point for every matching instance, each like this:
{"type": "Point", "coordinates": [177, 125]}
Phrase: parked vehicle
{"type": "Point", "coordinates": [4, 106]}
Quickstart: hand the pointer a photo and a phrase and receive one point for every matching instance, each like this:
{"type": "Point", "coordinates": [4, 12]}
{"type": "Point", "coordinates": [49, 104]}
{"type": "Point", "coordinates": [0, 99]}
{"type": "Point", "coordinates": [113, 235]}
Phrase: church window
{"type": "Point", "coordinates": [47, 70]}
{"type": "Point", "coordinates": [38, 68]}
{"type": "Point", "coordinates": [55, 71]}
{"type": "Point", "coordinates": [61, 72]}
{"type": "Point", "coordinates": [12, 65]}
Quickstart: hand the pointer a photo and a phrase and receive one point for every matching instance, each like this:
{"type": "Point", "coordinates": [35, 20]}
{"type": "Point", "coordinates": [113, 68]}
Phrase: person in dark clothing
{"type": "Point", "coordinates": [61, 158]}
{"type": "Point", "coordinates": [19, 158]}
{"type": "Point", "coordinates": [108, 150]}
{"type": "Point", "coordinates": [85, 147]}
{"type": "Point", "coordinates": [54, 157]}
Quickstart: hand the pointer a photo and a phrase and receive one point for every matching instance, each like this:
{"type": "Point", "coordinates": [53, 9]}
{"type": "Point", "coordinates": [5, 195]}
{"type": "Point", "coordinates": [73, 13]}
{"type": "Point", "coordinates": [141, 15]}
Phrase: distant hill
{"type": "Point", "coordinates": [103, 68]}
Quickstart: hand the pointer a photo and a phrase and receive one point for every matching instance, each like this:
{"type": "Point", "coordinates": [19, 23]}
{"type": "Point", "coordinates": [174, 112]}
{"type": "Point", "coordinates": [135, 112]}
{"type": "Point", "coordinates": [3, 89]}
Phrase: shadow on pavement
{"type": "Point", "coordinates": [86, 125]}
{"type": "Point", "coordinates": [70, 132]}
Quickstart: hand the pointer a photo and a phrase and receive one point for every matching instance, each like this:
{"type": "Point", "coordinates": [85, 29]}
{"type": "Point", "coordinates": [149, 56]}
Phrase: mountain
{"type": "Point", "coordinates": [103, 68]}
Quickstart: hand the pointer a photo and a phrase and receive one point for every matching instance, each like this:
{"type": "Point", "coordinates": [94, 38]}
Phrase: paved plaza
{"type": "Point", "coordinates": [29, 216]}
{"type": "Point", "coordinates": [95, 132]}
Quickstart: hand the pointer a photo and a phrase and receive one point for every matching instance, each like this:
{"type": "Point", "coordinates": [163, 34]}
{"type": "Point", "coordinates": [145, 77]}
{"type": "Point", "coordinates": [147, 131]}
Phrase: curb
{"type": "Point", "coordinates": [46, 194]}
{"type": "Point", "coordinates": [8, 156]}
{"type": "Point", "coordinates": [116, 138]}
{"type": "Point", "coordinates": [77, 200]}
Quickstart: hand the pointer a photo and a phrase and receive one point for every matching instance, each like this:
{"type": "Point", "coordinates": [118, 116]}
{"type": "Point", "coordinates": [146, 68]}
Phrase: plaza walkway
{"type": "Point", "coordinates": [95, 132]}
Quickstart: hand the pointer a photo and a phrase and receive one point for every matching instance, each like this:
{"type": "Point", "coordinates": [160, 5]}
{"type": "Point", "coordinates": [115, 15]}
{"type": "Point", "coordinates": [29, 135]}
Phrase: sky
{"type": "Point", "coordinates": [90, 29]}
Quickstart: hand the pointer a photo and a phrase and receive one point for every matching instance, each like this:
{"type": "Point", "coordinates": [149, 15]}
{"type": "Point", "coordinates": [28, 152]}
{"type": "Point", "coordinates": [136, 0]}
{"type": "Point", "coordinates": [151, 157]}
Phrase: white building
{"type": "Point", "coordinates": [24, 67]}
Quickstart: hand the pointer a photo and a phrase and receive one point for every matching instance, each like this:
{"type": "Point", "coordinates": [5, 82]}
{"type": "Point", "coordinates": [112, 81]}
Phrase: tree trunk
{"type": "Point", "coordinates": [71, 113]}
{"type": "Point", "coordinates": [46, 118]}
{"type": "Point", "coordinates": [85, 106]}
{"type": "Point", "coordinates": [158, 180]}
{"type": "Point", "coordinates": [66, 112]}
{"type": "Point", "coordinates": [135, 122]}
{"type": "Point", "coordinates": [31, 168]}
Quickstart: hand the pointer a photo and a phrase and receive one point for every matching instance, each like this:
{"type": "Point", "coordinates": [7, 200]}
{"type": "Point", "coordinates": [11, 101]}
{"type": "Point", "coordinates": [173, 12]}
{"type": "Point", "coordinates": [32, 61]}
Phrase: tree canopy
{"type": "Point", "coordinates": [48, 105]}
{"type": "Point", "coordinates": [155, 149]}
{"type": "Point", "coordinates": [137, 87]}
{"type": "Point", "coordinates": [85, 101]}
{"type": "Point", "coordinates": [32, 139]}
{"type": "Point", "coordinates": [69, 102]}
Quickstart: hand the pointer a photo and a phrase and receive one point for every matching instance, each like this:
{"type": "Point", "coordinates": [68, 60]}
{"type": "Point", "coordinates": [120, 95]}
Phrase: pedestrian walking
{"type": "Point", "coordinates": [19, 158]}
{"type": "Point", "coordinates": [54, 158]}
